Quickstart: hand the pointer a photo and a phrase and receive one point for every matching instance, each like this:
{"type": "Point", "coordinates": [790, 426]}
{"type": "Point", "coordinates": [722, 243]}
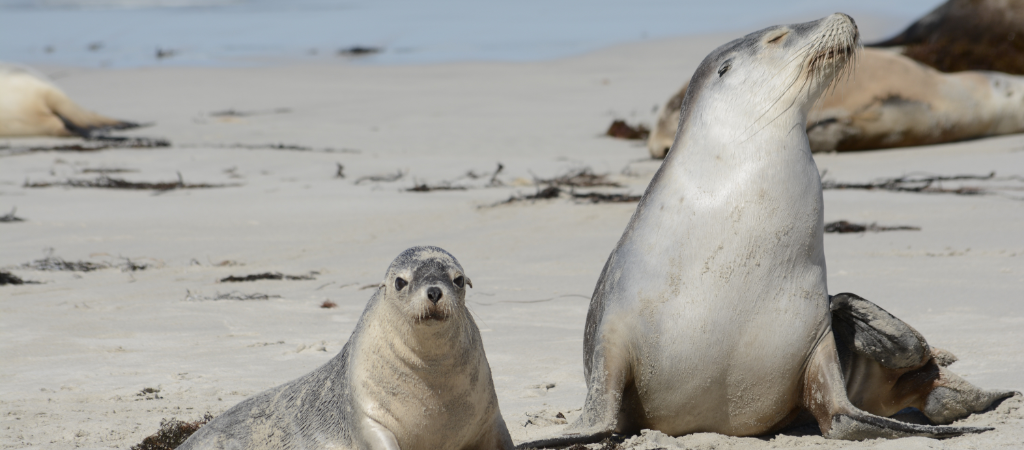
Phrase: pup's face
{"type": "Point", "coordinates": [428, 284]}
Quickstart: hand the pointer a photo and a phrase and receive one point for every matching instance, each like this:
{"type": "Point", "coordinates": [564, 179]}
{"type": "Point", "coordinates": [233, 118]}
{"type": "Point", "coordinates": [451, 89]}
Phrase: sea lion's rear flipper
{"type": "Point", "coordinates": [82, 122]}
{"type": "Point", "coordinates": [866, 329]}
{"type": "Point", "coordinates": [824, 395]}
{"type": "Point", "coordinates": [887, 366]}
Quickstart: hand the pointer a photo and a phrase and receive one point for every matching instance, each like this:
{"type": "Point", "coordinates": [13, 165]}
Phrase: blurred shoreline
{"type": "Point", "coordinates": [154, 33]}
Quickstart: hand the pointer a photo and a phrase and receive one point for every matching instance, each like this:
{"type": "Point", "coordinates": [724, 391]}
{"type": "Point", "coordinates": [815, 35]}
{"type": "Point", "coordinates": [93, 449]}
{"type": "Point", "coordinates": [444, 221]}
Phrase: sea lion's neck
{"type": "Point", "coordinates": [714, 154]}
{"type": "Point", "coordinates": [439, 345]}
{"type": "Point", "coordinates": [764, 185]}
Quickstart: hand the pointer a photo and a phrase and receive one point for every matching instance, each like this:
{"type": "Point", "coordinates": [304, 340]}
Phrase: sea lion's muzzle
{"type": "Point", "coordinates": [434, 303]}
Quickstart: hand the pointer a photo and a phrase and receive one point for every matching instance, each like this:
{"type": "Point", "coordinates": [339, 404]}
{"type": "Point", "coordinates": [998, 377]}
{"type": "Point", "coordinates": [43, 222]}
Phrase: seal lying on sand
{"type": "Point", "coordinates": [967, 35]}
{"type": "Point", "coordinates": [32, 106]}
{"type": "Point", "coordinates": [893, 101]}
{"type": "Point", "coordinates": [413, 375]}
{"type": "Point", "coordinates": [712, 312]}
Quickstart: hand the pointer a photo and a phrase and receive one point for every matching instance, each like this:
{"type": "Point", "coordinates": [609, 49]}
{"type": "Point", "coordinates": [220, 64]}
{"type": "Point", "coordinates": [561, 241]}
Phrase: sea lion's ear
{"type": "Point", "coordinates": [468, 281]}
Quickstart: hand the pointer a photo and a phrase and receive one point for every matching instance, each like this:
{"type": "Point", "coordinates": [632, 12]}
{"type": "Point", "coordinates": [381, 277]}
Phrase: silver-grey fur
{"type": "Point", "coordinates": [712, 312]}
{"type": "Point", "coordinates": [413, 375]}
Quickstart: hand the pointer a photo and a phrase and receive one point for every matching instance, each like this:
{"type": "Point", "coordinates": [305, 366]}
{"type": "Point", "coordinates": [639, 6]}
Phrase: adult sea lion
{"type": "Point", "coordinates": [32, 106]}
{"type": "Point", "coordinates": [413, 375]}
{"type": "Point", "coordinates": [893, 101]}
{"type": "Point", "coordinates": [712, 313]}
{"type": "Point", "coordinates": [967, 35]}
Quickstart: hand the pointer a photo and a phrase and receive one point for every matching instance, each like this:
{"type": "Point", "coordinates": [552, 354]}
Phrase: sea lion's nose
{"type": "Point", "coordinates": [434, 294]}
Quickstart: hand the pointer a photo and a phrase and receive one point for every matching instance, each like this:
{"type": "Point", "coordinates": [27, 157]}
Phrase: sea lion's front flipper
{"type": "Point", "coordinates": [887, 366]}
{"type": "Point", "coordinates": [600, 411]}
{"type": "Point", "coordinates": [824, 395]}
{"type": "Point", "coordinates": [377, 437]}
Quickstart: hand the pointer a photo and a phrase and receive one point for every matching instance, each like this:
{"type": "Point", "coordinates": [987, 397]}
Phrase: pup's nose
{"type": "Point", "coordinates": [434, 294]}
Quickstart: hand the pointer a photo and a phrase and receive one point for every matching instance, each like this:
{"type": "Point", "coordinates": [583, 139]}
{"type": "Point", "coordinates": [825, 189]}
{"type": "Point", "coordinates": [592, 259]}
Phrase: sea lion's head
{"type": "Point", "coordinates": [749, 84]}
{"type": "Point", "coordinates": [427, 285]}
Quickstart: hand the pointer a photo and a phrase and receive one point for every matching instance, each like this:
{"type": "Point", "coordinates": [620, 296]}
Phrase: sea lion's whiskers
{"type": "Point", "coordinates": [771, 106]}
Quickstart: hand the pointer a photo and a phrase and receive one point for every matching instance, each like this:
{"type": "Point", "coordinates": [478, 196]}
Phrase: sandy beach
{"type": "Point", "coordinates": [97, 359]}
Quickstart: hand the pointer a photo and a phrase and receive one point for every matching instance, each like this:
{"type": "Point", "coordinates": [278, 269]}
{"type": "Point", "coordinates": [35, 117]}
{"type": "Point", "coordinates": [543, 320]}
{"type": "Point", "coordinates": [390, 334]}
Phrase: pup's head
{"type": "Point", "coordinates": [427, 285]}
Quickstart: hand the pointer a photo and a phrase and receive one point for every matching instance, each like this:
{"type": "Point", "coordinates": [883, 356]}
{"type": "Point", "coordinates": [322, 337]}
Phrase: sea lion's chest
{"type": "Point", "coordinates": [425, 404]}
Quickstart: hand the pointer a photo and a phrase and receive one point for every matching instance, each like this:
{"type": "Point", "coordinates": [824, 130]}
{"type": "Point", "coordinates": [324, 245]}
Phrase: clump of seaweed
{"type": "Point", "coordinates": [172, 433]}
{"type": "Point", "coordinates": [233, 295]}
{"type": "Point", "coordinates": [494, 181]}
{"type": "Point", "coordinates": [91, 143]}
{"type": "Point", "coordinates": [10, 217]}
{"type": "Point", "coordinates": [598, 197]}
{"type": "Point", "coordinates": [274, 146]}
{"type": "Point", "coordinates": [584, 177]}
{"type": "Point", "coordinates": [548, 188]}
{"type": "Point", "coordinates": [385, 178]}
{"type": "Point", "coordinates": [10, 278]}
{"type": "Point", "coordinates": [923, 184]}
{"type": "Point", "coordinates": [622, 130]}
{"type": "Point", "coordinates": [588, 197]}
{"type": "Point", "coordinates": [443, 186]}
{"type": "Point", "coordinates": [541, 194]}
{"type": "Point", "coordinates": [105, 182]}
{"type": "Point", "coordinates": [231, 112]}
{"type": "Point", "coordinates": [267, 276]}
{"type": "Point", "coordinates": [842, 226]}
{"type": "Point", "coordinates": [132, 266]}
{"type": "Point", "coordinates": [149, 394]}
{"type": "Point", "coordinates": [327, 304]}
{"type": "Point", "coordinates": [106, 170]}
{"type": "Point", "coordinates": [58, 264]}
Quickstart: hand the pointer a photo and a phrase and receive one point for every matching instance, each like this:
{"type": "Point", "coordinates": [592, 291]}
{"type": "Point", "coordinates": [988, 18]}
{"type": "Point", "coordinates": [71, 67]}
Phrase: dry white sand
{"type": "Point", "coordinates": [77, 351]}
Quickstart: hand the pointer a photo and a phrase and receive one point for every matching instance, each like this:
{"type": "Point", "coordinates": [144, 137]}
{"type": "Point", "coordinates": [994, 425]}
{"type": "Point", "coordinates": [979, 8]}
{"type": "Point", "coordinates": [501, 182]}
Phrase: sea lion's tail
{"type": "Point", "coordinates": [81, 122]}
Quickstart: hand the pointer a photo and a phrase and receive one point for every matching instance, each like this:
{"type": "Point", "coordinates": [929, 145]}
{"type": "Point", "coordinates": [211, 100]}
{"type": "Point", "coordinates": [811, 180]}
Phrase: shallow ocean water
{"type": "Point", "coordinates": [130, 33]}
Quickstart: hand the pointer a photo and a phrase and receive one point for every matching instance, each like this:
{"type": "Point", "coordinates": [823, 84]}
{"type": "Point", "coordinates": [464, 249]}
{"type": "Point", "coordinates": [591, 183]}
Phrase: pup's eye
{"type": "Point", "coordinates": [459, 281]}
{"type": "Point", "coordinates": [725, 68]}
{"type": "Point", "coordinates": [400, 283]}
{"type": "Point", "coordinates": [778, 38]}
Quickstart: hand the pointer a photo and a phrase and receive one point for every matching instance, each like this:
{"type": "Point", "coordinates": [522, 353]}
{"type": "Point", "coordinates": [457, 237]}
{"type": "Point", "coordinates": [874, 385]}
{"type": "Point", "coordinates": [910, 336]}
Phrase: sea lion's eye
{"type": "Point", "coordinates": [460, 281]}
{"type": "Point", "coordinates": [777, 38]}
{"type": "Point", "coordinates": [725, 68]}
{"type": "Point", "coordinates": [400, 283]}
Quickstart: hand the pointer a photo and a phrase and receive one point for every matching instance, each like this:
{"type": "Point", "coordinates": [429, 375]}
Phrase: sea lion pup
{"type": "Point", "coordinates": [32, 106]}
{"type": "Point", "coordinates": [413, 375]}
{"type": "Point", "coordinates": [894, 101]}
{"type": "Point", "coordinates": [712, 312]}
